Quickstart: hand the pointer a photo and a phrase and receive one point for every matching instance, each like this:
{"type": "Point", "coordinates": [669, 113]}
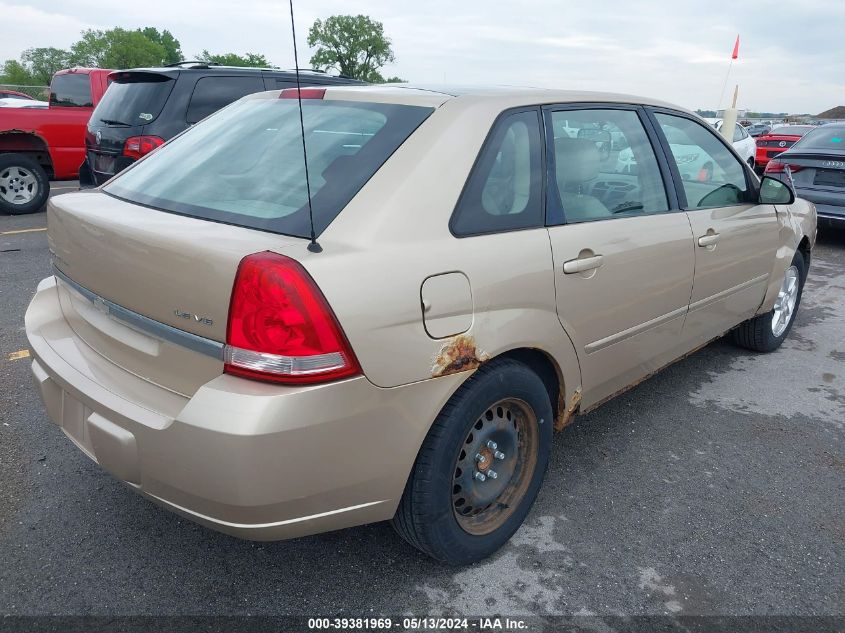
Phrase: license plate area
{"type": "Point", "coordinates": [829, 178]}
{"type": "Point", "coordinates": [104, 163]}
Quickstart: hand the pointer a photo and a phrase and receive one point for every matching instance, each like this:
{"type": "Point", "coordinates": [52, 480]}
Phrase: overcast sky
{"type": "Point", "coordinates": [791, 54]}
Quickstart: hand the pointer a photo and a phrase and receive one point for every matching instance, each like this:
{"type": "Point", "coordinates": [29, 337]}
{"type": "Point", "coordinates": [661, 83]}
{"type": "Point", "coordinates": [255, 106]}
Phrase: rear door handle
{"type": "Point", "coordinates": [708, 240]}
{"type": "Point", "coordinates": [581, 264]}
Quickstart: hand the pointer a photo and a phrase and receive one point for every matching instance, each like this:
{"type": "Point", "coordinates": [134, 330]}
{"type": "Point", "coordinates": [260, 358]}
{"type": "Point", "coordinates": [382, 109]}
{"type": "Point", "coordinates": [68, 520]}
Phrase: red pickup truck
{"type": "Point", "coordinates": [38, 145]}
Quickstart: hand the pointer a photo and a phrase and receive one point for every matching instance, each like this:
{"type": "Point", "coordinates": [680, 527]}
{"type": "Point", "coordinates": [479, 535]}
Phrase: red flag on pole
{"type": "Point", "coordinates": [735, 54]}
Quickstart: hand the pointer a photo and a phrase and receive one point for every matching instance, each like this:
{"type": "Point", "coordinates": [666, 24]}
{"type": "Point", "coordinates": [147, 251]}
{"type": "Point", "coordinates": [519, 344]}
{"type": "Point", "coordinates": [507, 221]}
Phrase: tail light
{"type": "Point", "coordinates": [138, 146]}
{"type": "Point", "coordinates": [302, 93]}
{"type": "Point", "coordinates": [281, 328]}
{"type": "Point", "coordinates": [778, 167]}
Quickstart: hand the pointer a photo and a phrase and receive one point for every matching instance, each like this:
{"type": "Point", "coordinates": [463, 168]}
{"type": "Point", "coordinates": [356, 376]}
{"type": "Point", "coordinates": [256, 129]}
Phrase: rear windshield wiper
{"type": "Point", "coordinates": [115, 122]}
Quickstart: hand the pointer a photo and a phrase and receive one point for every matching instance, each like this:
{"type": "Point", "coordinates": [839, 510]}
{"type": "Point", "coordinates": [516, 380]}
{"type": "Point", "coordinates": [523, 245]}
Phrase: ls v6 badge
{"type": "Point", "coordinates": [194, 317]}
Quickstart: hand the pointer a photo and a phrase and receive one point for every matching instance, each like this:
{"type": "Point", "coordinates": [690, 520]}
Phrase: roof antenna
{"type": "Point", "coordinates": [314, 247]}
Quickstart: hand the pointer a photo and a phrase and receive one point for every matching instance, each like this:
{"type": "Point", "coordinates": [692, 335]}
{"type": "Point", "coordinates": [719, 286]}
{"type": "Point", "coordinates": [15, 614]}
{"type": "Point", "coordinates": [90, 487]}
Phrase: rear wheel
{"type": "Point", "coordinates": [480, 467]}
{"type": "Point", "coordinates": [766, 332]}
{"type": "Point", "coordinates": [24, 186]}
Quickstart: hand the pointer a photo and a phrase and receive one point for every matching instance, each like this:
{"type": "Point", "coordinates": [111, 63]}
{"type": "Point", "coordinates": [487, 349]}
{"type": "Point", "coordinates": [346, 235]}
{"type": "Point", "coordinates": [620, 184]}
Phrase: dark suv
{"type": "Point", "coordinates": [144, 107]}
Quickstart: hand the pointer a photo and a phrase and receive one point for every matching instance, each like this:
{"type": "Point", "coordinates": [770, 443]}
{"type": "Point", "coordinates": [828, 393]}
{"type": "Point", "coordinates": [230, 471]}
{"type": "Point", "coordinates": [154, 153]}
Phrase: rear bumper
{"type": "Point", "coordinates": [90, 177]}
{"type": "Point", "coordinates": [253, 460]}
{"type": "Point", "coordinates": [832, 216]}
{"type": "Point", "coordinates": [830, 206]}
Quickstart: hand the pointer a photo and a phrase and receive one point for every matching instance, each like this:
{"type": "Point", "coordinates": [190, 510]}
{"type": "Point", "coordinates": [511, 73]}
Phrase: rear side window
{"type": "Point", "coordinates": [244, 166]}
{"type": "Point", "coordinates": [281, 84]}
{"type": "Point", "coordinates": [73, 90]}
{"type": "Point", "coordinates": [605, 166]}
{"type": "Point", "coordinates": [134, 99]}
{"type": "Point", "coordinates": [212, 93]}
{"type": "Point", "coordinates": [739, 133]}
{"type": "Point", "coordinates": [504, 190]}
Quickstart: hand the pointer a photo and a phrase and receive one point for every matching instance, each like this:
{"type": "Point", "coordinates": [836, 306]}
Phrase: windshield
{"type": "Point", "coordinates": [244, 165]}
{"type": "Point", "coordinates": [133, 99]}
{"type": "Point", "coordinates": [824, 138]}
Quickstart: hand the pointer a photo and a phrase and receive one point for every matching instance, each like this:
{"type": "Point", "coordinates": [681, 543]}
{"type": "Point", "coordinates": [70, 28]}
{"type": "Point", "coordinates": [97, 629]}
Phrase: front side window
{"type": "Point", "coordinates": [71, 90]}
{"type": "Point", "coordinates": [739, 133]}
{"type": "Point", "coordinates": [244, 165]}
{"type": "Point", "coordinates": [605, 166]}
{"type": "Point", "coordinates": [212, 93]}
{"type": "Point", "coordinates": [710, 174]}
{"type": "Point", "coordinates": [504, 190]}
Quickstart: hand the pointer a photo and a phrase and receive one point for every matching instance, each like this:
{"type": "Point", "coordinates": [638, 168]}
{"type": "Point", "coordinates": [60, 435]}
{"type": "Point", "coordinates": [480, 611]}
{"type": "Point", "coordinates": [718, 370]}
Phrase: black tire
{"type": "Point", "coordinates": [427, 516]}
{"type": "Point", "coordinates": [757, 334]}
{"type": "Point", "coordinates": [39, 188]}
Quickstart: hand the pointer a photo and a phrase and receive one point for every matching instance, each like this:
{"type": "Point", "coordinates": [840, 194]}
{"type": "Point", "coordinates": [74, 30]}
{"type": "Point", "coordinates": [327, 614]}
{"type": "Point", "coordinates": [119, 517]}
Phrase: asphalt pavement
{"type": "Point", "coordinates": [716, 487]}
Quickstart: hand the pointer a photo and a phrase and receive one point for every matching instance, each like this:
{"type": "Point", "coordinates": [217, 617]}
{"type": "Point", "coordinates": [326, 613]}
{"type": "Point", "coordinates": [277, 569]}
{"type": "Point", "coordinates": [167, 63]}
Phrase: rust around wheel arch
{"type": "Point", "coordinates": [565, 413]}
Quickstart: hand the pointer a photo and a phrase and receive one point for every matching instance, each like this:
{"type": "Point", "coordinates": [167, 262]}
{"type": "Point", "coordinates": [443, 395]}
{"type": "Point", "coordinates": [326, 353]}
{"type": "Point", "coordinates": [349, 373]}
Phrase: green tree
{"type": "Point", "coordinates": [42, 63]}
{"type": "Point", "coordinates": [251, 60]}
{"type": "Point", "coordinates": [395, 80]}
{"type": "Point", "coordinates": [172, 48]}
{"type": "Point", "coordinates": [355, 46]}
{"type": "Point", "coordinates": [16, 73]}
{"type": "Point", "coordinates": [116, 48]}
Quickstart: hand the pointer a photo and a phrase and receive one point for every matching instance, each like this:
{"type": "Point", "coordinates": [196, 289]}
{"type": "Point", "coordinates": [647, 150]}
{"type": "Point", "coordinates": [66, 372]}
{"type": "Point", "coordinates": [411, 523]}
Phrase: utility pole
{"type": "Point", "coordinates": [729, 119]}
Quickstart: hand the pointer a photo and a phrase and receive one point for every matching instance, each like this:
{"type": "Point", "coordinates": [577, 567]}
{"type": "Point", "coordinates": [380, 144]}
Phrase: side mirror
{"type": "Point", "coordinates": [774, 191]}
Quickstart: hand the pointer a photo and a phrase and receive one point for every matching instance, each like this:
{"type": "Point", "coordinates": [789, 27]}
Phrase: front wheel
{"type": "Point", "coordinates": [24, 186]}
{"type": "Point", "coordinates": [766, 332]}
{"type": "Point", "coordinates": [480, 467]}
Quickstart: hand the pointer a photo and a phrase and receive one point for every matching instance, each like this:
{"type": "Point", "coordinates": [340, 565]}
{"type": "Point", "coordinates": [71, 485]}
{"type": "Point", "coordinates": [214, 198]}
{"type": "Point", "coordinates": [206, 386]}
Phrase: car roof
{"type": "Point", "coordinates": [507, 96]}
{"type": "Point", "coordinates": [174, 70]}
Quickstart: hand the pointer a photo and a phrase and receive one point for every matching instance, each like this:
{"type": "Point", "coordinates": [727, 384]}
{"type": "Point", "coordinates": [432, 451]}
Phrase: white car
{"type": "Point", "coordinates": [11, 102]}
{"type": "Point", "coordinates": [688, 159]}
{"type": "Point", "coordinates": [743, 143]}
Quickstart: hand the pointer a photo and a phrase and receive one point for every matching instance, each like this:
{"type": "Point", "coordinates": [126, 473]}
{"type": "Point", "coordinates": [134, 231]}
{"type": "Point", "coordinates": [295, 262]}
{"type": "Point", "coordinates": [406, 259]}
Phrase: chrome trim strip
{"type": "Point", "coordinates": [703, 303]}
{"type": "Point", "coordinates": [139, 322]}
{"type": "Point", "coordinates": [595, 346]}
{"type": "Point", "coordinates": [259, 526]}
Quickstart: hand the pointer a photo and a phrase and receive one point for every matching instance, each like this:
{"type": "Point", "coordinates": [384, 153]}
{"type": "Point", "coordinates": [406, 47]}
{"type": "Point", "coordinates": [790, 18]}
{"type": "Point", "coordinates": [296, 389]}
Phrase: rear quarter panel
{"type": "Point", "coordinates": [395, 234]}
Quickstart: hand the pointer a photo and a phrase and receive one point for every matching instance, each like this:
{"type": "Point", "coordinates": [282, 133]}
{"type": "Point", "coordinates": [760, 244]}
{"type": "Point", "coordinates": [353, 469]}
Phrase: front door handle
{"type": "Point", "coordinates": [708, 240]}
{"type": "Point", "coordinates": [581, 264]}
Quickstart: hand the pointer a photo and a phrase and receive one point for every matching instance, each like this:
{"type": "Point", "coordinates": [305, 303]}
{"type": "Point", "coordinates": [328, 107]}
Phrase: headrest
{"type": "Point", "coordinates": [577, 160]}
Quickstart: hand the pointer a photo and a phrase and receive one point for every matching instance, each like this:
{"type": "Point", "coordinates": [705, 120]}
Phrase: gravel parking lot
{"type": "Point", "coordinates": [716, 487]}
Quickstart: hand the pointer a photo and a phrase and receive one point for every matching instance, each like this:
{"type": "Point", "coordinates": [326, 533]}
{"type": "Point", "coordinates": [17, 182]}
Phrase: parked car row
{"type": "Point", "coordinates": [209, 334]}
{"type": "Point", "coordinates": [99, 121]}
{"type": "Point", "coordinates": [814, 166]}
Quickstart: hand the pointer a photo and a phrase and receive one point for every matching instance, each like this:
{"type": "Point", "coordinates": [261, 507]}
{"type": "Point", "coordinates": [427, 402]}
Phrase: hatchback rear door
{"type": "Point", "coordinates": [622, 251]}
{"type": "Point", "coordinates": [134, 100]}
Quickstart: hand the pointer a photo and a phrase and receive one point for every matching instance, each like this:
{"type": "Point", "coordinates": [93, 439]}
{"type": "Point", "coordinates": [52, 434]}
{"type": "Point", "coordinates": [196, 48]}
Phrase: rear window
{"type": "Point", "coordinates": [825, 138]}
{"type": "Point", "coordinates": [244, 165]}
{"type": "Point", "coordinates": [71, 89]}
{"type": "Point", "coordinates": [133, 99]}
{"type": "Point", "coordinates": [790, 130]}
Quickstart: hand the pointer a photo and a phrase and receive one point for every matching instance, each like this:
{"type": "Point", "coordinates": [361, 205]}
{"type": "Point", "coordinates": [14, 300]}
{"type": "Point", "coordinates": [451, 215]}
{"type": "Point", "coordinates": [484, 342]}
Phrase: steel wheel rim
{"type": "Point", "coordinates": [504, 440]}
{"type": "Point", "coordinates": [785, 303]}
{"type": "Point", "coordinates": [18, 185]}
